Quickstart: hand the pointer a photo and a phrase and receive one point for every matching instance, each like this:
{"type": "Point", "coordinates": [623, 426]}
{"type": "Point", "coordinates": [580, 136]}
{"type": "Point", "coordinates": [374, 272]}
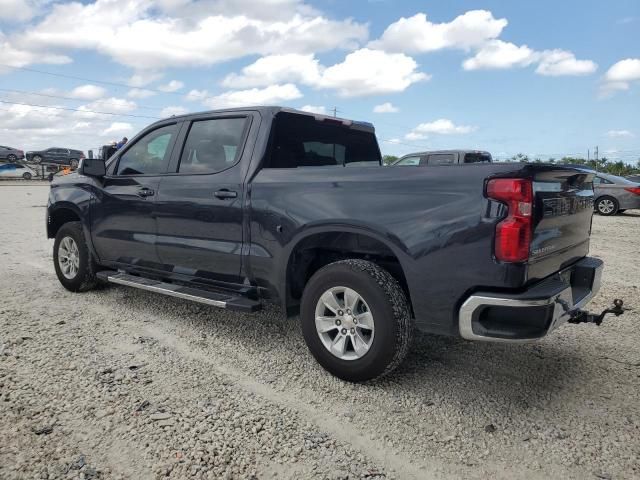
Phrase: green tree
{"type": "Point", "coordinates": [389, 159]}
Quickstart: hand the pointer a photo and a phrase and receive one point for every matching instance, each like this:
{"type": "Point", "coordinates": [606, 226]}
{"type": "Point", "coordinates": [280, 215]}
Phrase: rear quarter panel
{"type": "Point", "coordinates": [436, 221]}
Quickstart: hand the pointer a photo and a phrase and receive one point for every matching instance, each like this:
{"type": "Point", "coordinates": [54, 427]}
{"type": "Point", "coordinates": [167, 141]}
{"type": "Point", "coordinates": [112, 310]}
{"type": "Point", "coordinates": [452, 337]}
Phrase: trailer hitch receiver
{"type": "Point", "coordinates": [580, 316]}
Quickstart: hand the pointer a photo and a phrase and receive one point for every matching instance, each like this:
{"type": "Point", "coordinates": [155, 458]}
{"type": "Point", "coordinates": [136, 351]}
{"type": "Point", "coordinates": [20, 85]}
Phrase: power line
{"type": "Point", "coordinates": [25, 92]}
{"type": "Point", "coordinates": [80, 110]}
{"type": "Point", "coordinates": [84, 79]}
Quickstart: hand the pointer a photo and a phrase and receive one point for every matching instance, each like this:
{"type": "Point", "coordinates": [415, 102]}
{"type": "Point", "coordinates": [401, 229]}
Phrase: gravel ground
{"type": "Point", "coordinates": [119, 383]}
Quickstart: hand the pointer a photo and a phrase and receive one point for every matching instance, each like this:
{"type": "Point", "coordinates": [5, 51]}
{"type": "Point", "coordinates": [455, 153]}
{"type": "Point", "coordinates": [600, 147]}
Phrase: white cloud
{"type": "Point", "coordinates": [140, 93]}
{"type": "Point", "coordinates": [620, 134]}
{"type": "Point", "coordinates": [442, 126]}
{"type": "Point", "coordinates": [274, 69]}
{"type": "Point", "coordinates": [362, 72]}
{"type": "Point", "coordinates": [370, 72]}
{"type": "Point", "coordinates": [109, 105]}
{"type": "Point", "coordinates": [18, 57]}
{"type": "Point", "coordinates": [272, 94]}
{"type": "Point", "coordinates": [19, 10]}
{"type": "Point", "coordinates": [170, 111]}
{"type": "Point", "coordinates": [117, 128]}
{"type": "Point", "coordinates": [144, 78]}
{"type": "Point", "coordinates": [561, 62]}
{"type": "Point", "coordinates": [314, 109]}
{"type": "Point", "coordinates": [133, 34]}
{"type": "Point", "coordinates": [386, 107]}
{"type": "Point", "coordinates": [621, 75]}
{"type": "Point", "coordinates": [500, 54]}
{"type": "Point", "coordinates": [197, 95]}
{"type": "Point", "coordinates": [88, 92]}
{"type": "Point", "coordinates": [172, 86]}
{"type": "Point", "coordinates": [417, 34]}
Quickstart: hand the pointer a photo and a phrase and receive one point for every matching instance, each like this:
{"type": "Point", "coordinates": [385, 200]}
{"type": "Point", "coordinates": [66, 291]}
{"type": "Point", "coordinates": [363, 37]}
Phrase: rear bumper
{"type": "Point", "coordinates": [532, 314]}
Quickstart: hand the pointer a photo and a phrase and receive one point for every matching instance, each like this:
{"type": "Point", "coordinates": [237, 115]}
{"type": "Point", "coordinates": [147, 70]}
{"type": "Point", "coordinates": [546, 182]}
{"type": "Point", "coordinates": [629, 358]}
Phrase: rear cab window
{"type": "Point", "coordinates": [477, 157]}
{"type": "Point", "coordinates": [304, 141]}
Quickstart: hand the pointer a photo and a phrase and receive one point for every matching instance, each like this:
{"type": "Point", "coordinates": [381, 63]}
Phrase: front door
{"type": "Point", "coordinates": [123, 224]}
{"type": "Point", "coordinates": [199, 206]}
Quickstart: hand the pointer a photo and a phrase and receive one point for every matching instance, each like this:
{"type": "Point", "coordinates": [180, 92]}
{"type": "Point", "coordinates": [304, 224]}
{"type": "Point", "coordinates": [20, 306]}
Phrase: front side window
{"type": "Point", "coordinates": [477, 157]}
{"type": "Point", "coordinates": [212, 145]}
{"type": "Point", "coordinates": [441, 159]}
{"type": "Point", "coordinates": [150, 154]}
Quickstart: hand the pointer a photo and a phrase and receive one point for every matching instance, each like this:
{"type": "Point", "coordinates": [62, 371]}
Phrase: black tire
{"type": "Point", "coordinates": [622, 210]}
{"type": "Point", "coordinates": [85, 279]}
{"type": "Point", "coordinates": [73, 163]}
{"type": "Point", "coordinates": [12, 158]}
{"type": "Point", "coordinates": [26, 175]}
{"type": "Point", "coordinates": [50, 177]}
{"type": "Point", "coordinates": [388, 305]}
{"type": "Point", "coordinates": [36, 159]}
{"type": "Point", "coordinates": [607, 205]}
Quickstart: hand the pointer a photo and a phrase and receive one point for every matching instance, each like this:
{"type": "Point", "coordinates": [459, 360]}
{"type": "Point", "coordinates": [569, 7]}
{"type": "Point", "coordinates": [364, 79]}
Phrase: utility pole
{"type": "Point", "coordinates": [335, 111]}
{"type": "Point", "coordinates": [595, 155]}
{"type": "Point", "coordinates": [588, 155]}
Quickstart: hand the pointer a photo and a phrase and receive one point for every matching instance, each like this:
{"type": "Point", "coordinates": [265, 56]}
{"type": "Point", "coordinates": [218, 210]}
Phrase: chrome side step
{"type": "Point", "coordinates": [220, 300]}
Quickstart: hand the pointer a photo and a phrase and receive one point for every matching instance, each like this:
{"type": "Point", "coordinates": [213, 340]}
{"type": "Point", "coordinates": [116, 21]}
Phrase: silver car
{"type": "Point", "coordinates": [615, 194]}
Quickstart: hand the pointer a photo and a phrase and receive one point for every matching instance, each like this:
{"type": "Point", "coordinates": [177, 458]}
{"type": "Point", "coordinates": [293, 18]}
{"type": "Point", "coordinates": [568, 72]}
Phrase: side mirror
{"type": "Point", "coordinates": [93, 167]}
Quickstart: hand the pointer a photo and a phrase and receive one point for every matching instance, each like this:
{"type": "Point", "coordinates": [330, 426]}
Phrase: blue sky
{"type": "Point", "coordinates": [544, 78]}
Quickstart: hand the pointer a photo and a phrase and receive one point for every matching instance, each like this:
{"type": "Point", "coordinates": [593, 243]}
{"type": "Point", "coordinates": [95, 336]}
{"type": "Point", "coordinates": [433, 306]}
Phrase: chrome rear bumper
{"type": "Point", "coordinates": [530, 315]}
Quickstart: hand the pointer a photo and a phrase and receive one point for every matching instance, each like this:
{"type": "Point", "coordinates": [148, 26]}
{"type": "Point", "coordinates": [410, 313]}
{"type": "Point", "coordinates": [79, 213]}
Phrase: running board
{"type": "Point", "coordinates": [221, 300]}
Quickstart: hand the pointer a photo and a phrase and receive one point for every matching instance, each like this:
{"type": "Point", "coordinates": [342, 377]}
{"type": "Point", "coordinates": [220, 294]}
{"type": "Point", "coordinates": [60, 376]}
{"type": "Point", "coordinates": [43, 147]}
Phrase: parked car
{"type": "Point", "coordinates": [634, 178]}
{"type": "Point", "coordinates": [59, 156]}
{"type": "Point", "coordinates": [615, 194]}
{"type": "Point", "coordinates": [241, 207]}
{"type": "Point", "coordinates": [16, 170]}
{"type": "Point", "coordinates": [444, 157]}
{"type": "Point", "coordinates": [10, 154]}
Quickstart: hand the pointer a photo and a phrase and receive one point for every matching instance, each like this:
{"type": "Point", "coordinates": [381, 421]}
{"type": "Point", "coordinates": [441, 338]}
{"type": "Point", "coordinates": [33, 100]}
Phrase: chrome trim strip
{"type": "Point", "coordinates": [166, 289]}
{"type": "Point", "coordinates": [563, 302]}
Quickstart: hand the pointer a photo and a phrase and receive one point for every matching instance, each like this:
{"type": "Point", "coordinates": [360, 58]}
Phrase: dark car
{"type": "Point", "coordinates": [444, 157]}
{"type": "Point", "coordinates": [10, 154]}
{"type": "Point", "coordinates": [241, 207]}
{"type": "Point", "coordinates": [57, 156]}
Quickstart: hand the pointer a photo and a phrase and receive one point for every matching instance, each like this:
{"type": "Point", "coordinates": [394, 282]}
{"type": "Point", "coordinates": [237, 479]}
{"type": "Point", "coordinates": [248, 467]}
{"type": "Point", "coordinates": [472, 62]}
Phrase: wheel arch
{"type": "Point", "coordinates": [323, 245]}
{"type": "Point", "coordinates": [60, 214]}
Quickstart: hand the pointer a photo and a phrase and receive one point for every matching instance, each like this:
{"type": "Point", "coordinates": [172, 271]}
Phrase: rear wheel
{"type": "Point", "coordinates": [72, 259]}
{"type": "Point", "coordinates": [73, 163]}
{"type": "Point", "coordinates": [12, 158]}
{"type": "Point", "coordinates": [26, 175]}
{"type": "Point", "coordinates": [356, 320]}
{"type": "Point", "coordinates": [607, 206]}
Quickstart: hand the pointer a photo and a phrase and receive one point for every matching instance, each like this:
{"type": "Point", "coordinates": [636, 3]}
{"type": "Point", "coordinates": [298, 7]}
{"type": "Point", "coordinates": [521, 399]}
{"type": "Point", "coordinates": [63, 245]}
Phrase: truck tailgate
{"type": "Point", "coordinates": [563, 208]}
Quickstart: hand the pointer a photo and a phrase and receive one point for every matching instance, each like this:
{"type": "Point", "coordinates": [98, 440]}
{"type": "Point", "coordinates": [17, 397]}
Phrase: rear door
{"type": "Point", "coordinates": [123, 218]}
{"type": "Point", "coordinates": [563, 208]}
{"type": "Point", "coordinates": [199, 206]}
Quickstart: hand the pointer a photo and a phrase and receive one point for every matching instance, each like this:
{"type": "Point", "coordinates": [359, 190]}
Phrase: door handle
{"type": "Point", "coordinates": [224, 193]}
{"type": "Point", "coordinates": [146, 192]}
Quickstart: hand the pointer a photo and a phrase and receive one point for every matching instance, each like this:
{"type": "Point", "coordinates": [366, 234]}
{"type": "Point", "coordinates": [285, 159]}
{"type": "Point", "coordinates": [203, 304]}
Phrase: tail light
{"type": "Point", "coordinates": [513, 233]}
{"type": "Point", "coordinates": [634, 190]}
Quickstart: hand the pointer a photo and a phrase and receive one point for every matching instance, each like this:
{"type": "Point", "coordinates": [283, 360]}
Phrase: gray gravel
{"type": "Point", "coordinates": [118, 383]}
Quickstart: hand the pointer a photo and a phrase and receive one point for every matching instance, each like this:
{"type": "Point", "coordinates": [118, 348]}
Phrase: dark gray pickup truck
{"type": "Point", "coordinates": [240, 207]}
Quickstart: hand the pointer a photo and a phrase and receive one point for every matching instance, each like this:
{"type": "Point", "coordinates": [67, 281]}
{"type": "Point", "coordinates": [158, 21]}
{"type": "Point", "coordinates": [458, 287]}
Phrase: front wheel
{"type": "Point", "coordinates": [356, 320]}
{"type": "Point", "coordinates": [12, 158]}
{"type": "Point", "coordinates": [607, 206]}
{"type": "Point", "coordinates": [72, 259]}
{"type": "Point", "coordinates": [26, 175]}
{"type": "Point", "coordinates": [36, 159]}
{"type": "Point", "coordinates": [73, 163]}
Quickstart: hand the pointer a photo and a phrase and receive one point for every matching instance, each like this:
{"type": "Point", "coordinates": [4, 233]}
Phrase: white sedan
{"type": "Point", "coordinates": [16, 170]}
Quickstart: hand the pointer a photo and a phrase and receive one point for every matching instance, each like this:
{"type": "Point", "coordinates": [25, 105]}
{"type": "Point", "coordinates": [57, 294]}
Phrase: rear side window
{"type": "Point", "coordinates": [150, 154]}
{"type": "Point", "coordinates": [477, 158]}
{"type": "Point", "coordinates": [303, 141]}
{"type": "Point", "coordinates": [212, 145]}
{"type": "Point", "coordinates": [440, 159]}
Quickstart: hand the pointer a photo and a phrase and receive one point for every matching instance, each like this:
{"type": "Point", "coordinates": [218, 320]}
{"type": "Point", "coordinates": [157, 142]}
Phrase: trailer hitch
{"type": "Point", "coordinates": [580, 316]}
